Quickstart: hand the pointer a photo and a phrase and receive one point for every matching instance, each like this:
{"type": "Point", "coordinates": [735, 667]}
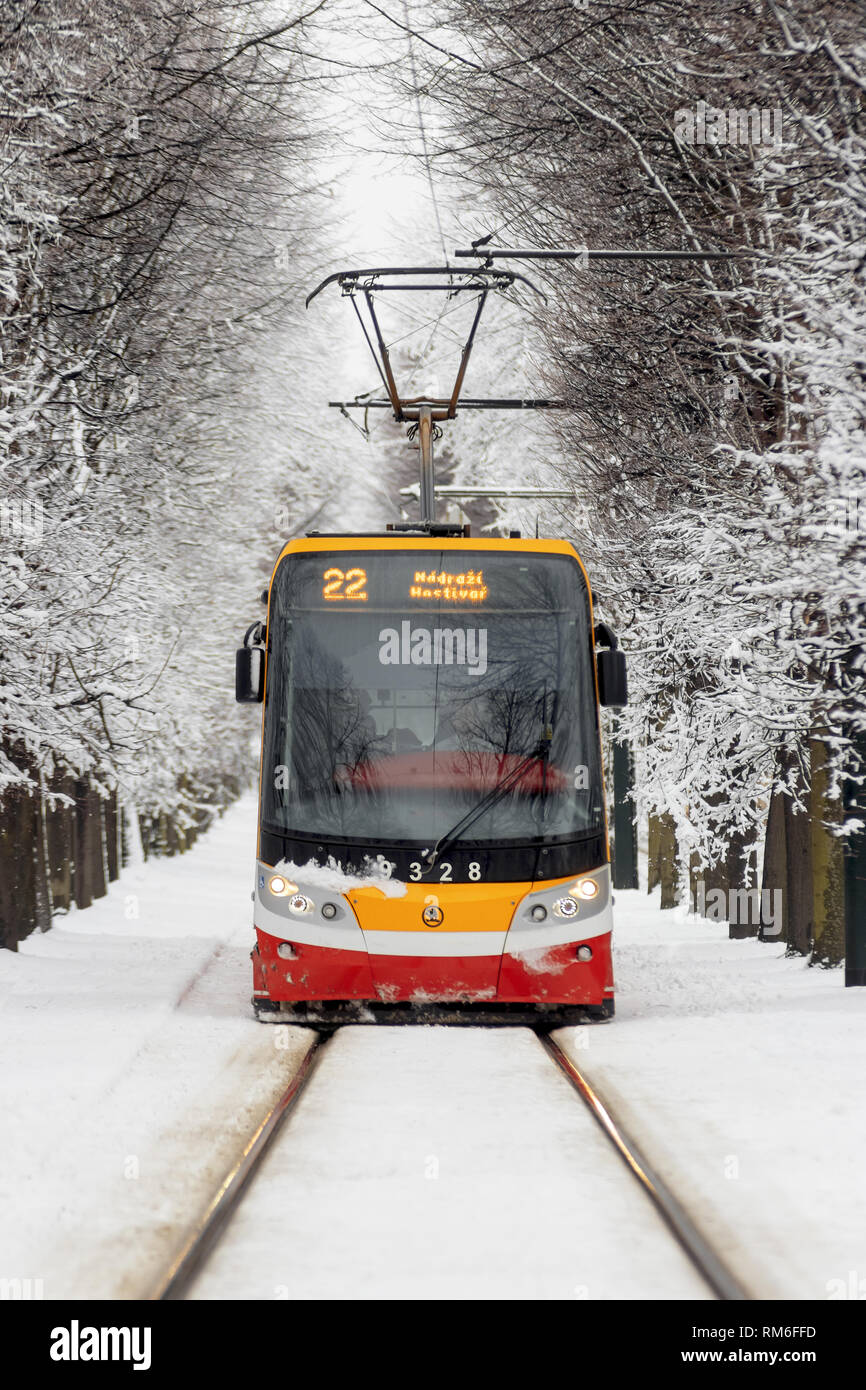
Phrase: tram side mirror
{"type": "Point", "coordinates": [249, 675]}
{"type": "Point", "coordinates": [612, 678]}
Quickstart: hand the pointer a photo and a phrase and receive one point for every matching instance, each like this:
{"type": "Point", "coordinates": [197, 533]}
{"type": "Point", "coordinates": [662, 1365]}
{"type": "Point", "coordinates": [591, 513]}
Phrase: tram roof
{"type": "Point", "coordinates": [409, 540]}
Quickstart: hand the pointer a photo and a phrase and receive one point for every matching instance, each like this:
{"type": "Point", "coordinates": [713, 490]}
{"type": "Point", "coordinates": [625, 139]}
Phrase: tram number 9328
{"type": "Point", "coordinates": [443, 871]}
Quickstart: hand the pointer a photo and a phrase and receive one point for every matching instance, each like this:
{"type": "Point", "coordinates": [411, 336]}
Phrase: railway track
{"type": "Point", "coordinates": [191, 1258]}
{"type": "Point", "coordinates": [711, 1268]}
{"type": "Point", "coordinates": [211, 1224]}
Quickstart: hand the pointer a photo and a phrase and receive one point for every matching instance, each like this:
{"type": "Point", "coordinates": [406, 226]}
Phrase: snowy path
{"type": "Point", "coordinates": [740, 1073]}
{"type": "Point", "coordinates": [444, 1163]}
{"type": "Point", "coordinates": [134, 1072]}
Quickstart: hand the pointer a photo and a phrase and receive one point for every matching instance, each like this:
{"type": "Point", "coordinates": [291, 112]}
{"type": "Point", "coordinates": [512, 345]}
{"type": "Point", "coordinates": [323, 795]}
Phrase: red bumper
{"type": "Point", "coordinates": [554, 976]}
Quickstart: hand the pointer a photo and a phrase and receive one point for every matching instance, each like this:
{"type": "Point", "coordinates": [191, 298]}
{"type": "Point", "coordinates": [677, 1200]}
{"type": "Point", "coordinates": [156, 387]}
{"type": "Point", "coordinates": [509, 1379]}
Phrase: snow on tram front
{"type": "Point", "coordinates": [432, 831]}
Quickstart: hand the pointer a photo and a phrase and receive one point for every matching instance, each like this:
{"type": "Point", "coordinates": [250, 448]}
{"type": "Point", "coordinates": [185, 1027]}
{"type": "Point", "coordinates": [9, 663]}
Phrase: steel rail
{"type": "Point", "coordinates": [711, 1268]}
{"type": "Point", "coordinates": [186, 1264]}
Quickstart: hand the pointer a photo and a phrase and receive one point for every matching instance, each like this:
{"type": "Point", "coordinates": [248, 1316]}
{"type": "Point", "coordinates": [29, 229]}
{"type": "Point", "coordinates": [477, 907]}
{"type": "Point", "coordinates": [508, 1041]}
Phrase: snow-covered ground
{"type": "Point", "coordinates": [133, 1070]}
{"type": "Point", "coordinates": [444, 1163]}
{"type": "Point", "coordinates": [741, 1073]}
{"type": "Point", "coordinates": [426, 1162]}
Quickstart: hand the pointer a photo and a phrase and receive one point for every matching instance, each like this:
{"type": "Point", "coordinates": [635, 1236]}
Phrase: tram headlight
{"type": "Point", "coordinates": [299, 902]}
{"type": "Point", "coordinates": [584, 953]}
{"type": "Point", "coordinates": [281, 887]}
{"type": "Point", "coordinates": [538, 913]}
{"type": "Point", "coordinates": [566, 907]}
{"type": "Point", "coordinates": [329, 910]}
{"type": "Point", "coordinates": [587, 888]}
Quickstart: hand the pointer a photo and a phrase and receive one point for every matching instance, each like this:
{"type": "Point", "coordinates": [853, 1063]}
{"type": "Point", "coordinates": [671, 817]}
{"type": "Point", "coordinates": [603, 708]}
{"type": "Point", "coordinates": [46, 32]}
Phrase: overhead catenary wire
{"type": "Point", "coordinates": [434, 200]}
{"type": "Point", "coordinates": [424, 147]}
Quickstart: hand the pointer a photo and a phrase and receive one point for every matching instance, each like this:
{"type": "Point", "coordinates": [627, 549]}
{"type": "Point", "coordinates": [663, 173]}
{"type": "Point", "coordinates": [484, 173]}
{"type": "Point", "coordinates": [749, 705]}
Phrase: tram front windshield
{"type": "Point", "coordinates": [404, 686]}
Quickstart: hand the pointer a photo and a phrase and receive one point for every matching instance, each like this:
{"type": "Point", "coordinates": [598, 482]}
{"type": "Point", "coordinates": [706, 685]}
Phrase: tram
{"type": "Point", "coordinates": [432, 839]}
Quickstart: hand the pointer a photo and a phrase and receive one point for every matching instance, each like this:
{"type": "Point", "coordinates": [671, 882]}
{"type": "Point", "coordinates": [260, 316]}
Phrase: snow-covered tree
{"type": "Point", "coordinates": [715, 429]}
{"type": "Point", "coordinates": [154, 211]}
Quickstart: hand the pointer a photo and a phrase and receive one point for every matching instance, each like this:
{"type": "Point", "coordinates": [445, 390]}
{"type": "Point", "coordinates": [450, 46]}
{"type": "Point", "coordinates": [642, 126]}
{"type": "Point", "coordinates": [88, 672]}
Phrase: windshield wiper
{"type": "Point", "coordinates": [540, 753]}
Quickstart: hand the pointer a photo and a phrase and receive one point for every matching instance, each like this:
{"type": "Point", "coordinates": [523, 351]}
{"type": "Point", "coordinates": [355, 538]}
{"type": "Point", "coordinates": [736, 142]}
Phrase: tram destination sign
{"type": "Point", "coordinates": [392, 580]}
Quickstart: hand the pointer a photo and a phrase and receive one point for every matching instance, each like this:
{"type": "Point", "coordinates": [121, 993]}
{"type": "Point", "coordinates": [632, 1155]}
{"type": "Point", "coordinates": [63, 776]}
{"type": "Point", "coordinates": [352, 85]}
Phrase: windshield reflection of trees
{"type": "Point", "coordinates": [405, 759]}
